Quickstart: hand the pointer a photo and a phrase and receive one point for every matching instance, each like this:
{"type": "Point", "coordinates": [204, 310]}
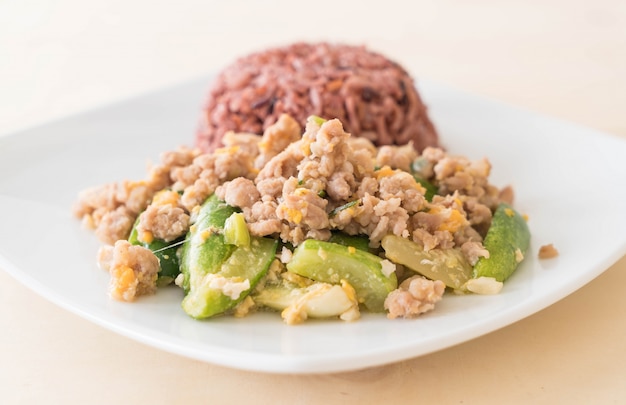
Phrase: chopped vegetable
{"type": "Point", "coordinates": [507, 241]}
{"type": "Point", "coordinates": [318, 120]}
{"type": "Point", "coordinates": [202, 252]}
{"type": "Point", "coordinates": [330, 263]}
{"type": "Point", "coordinates": [449, 265]}
{"type": "Point", "coordinates": [217, 275]}
{"type": "Point", "coordinates": [235, 230]}
{"type": "Point", "coordinates": [360, 242]}
{"type": "Point", "coordinates": [214, 292]}
{"type": "Point", "coordinates": [343, 207]}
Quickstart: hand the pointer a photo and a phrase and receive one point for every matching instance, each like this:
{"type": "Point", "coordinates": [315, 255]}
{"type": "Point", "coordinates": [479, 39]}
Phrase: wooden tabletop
{"type": "Point", "coordinates": [560, 58]}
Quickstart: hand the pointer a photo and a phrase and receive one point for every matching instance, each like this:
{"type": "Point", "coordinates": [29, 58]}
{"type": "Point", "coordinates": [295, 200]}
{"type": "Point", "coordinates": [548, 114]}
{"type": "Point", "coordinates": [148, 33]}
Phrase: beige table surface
{"type": "Point", "coordinates": [561, 58]}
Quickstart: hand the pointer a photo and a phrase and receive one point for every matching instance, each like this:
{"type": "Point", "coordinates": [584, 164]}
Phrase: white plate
{"type": "Point", "coordinates": [571, 181]}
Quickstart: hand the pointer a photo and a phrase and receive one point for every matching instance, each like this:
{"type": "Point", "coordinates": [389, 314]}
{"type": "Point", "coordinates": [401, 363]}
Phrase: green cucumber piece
{"type": "Point", "coordinates": [330, 263]}
{"type": "Point", "coordinates": [360, 242]}
{"type": "Point", "coordinates": [448, 266]}
{"type": "Point", "coordinates": [236, 231]}
{"type": "Point", "coordinates": [205, 250]}
{"type": "Point", "coordinates": [211, 266]}
{"type": "Point", "coordinates": [507, 240]}
{"type": "Point", "coordinates": [243, 268]}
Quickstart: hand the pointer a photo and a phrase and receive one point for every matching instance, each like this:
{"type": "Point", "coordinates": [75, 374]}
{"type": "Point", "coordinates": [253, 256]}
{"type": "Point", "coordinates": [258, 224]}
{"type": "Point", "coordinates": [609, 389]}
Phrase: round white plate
{"type": "Point", "coordinates": [571, 182]}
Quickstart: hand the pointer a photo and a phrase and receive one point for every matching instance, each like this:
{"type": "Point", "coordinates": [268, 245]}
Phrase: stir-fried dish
{"type": "Point", "coordinates": [309, 223]}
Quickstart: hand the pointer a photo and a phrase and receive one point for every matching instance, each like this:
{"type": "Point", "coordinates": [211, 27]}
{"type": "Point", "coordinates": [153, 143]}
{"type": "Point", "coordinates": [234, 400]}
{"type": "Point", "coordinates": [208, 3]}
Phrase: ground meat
{"type": "Point", "coordinates": [374, 97]}
{"type": "Point", "coordinates": [276, 138]}
{"type": "Point", "coordinates": [135, 195]}
{"type": "Point", "coordinates": [195, 194]}
{"type": "Point", "coordinates": [361, 159]}
{"type": "Point", "coordinates": [178, 158]}
{"type": "Point", "coordinates": [402, 185]}
{"type": "Point", "coordinates": [112, 209]}
{"type": "Point", "coordinates": [165, 222]}
{"type": "Point", "coordinates": [321, 181]}
{"type": "Point", "coordinates": [247, 143]}
{"type": "Point", "coordinates": [479, 215]}
{"type": "Point", "coordinates": [115, 225]}
{"type": "Point", "coordinates": [507, 195]}
{"type": "Point", "coordinates": [341, 183]}
{"type": "Point", "coordinates": [368, 186]}
{"type": "Point", "coordinates": [234, 161]}
{"type": "Point", "coordinates": [240, 192]}
{"type": "Point", "coordinates": [392, 220]}
{"type": "Point", "coordinates": [326, 152]}
{"type": "Point", "coordinates": [278, 169]}
{"type": "Point", "coordinates": [262, 219]}
{"type": "Point", "coordinates": [467, 234]}
{"type": "Point", "coordinates": [414, 296]}
{"type": "Point", "coordinates": [548, 252]}
{"type": "Point", "coordinates": [474, 251]}
{"type": "Point", "coordinates": [304, 210]}
{"type": "Point", "coordinates": [397, 157]}
{"type": "Point", "coordinates": [97, 197]}
{"type": "Point", "coordinates": [133, 269]}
